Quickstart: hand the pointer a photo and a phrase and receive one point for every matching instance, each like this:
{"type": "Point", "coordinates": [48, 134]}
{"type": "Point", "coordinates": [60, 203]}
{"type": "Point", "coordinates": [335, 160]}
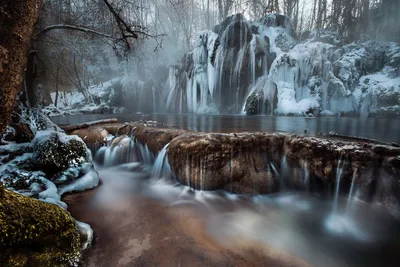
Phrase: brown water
{"type": "Point", "coordinates": [143, 221]}
{"type": "Point", "coordinates": [382, 129]}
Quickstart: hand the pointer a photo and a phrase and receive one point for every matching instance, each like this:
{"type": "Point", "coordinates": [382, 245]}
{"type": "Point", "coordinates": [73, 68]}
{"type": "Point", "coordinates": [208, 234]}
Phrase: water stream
{"type": "Point", "coordinates": [304, 225]}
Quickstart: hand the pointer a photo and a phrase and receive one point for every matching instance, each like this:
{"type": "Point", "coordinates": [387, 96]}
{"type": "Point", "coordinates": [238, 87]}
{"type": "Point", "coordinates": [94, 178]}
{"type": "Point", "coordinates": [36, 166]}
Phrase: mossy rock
{"type": "Point", "coordinates": [34, 233]}
{"type": "Point", "coordinates": [54, 155]}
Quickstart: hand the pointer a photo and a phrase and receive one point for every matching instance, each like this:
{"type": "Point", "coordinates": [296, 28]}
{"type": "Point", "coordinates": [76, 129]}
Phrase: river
{"type": "Point", "coordinates": [382, 129]}
{"type": "Point", "coordinates": [143, 220]}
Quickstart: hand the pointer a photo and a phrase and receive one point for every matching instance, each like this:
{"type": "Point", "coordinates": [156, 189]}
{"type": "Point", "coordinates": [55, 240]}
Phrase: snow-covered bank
{"type": "Point", "coordinates": [104, 98]}
{"type": "Point", "coordinates": [46, 163]}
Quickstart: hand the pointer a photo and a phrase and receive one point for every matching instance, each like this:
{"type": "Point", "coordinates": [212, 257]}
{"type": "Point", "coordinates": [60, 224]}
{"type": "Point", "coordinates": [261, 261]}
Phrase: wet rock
{"type": "Point", "coordinates": [155, 138]}
{"type": "Point", "coordinates": [23, 133]}
{"type": "Point", "coordinates": [220, 28]}
{"type": "Point", "coordinates": [215, 161]}
{"type": "Point", "coordinates": [254, 104]}
{"type": "Point", "coordinates": [93, 135]}
{"type": "Point", "coordinates": [34, 233]}
{"type": "Point", "coordinates": [9, 134]}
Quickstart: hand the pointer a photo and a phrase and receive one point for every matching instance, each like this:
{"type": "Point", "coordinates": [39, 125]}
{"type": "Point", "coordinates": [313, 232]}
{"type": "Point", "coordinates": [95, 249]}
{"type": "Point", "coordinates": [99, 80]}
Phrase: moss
{"type": "Point", "coordinates": [34, 233]}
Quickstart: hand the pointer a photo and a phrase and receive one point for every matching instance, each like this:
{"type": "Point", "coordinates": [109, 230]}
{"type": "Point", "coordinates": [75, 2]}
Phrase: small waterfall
{"type": "Point", "coordinates": [350, 198]}
{"type": "Point", "coordinates": [145, 155]}
{"type": "Point", "coordinates": [187, 170]}
{"type": "Point", "coordinates": [160, 163]}
{"type": "Point", "coordinates": [284, 173]}
{"type": "Point", "coordinates": [121, 150]}
{"type": "Point", "coordinates": [306, 179]}
{"type": "Point", "coordinates": [231, 168]}
{"type": "Point", "coordinates": [339, 173]}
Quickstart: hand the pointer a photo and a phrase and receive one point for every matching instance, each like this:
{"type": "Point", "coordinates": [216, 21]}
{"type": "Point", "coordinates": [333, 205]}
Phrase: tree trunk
{"type": "Point", "coordinates": [17, 20]}
{"type": "Point", "coordinates": [30, 76]}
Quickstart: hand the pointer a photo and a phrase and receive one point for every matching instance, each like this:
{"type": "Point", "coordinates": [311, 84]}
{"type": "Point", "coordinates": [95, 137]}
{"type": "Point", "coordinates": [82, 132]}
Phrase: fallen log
{"type": "Point", "coordinates": [72, 127]}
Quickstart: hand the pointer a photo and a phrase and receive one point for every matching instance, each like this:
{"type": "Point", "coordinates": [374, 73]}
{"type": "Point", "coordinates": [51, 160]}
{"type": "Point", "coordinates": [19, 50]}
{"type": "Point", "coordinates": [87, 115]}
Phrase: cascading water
{"type": "Point", "coordinates": [306, 179]}
{"type": "Point", "coordinates": [284, 173]}
{"type": "Point", "coordinates": [339, 172]}
{"type": "Point", "coordinates": [343, 223]}
{"type": "Point", "coordinates": [350, 198]}
{"type": "Point", "coordinates": [161, 165]}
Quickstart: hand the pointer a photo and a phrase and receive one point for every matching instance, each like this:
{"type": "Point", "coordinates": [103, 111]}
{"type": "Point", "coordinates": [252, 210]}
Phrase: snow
{"type": "Point", "coordinates": [86, 231]}
{"type": "Point", "coordinates": [71, 103]}
{"type": "Point", "coordinates": [44, 136]}
{"type": "Point", "coordinates": [287, 103]}
{"type": "Point", "coordinates": [327, 113]}
{"type": "Point", "coordinates": [88, 181]}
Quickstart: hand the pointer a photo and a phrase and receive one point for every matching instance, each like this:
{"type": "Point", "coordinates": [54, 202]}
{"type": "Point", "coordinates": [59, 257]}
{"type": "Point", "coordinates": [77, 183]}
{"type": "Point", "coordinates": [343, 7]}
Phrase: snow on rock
{"type": "Point", "coordinates": [52, 164]}
{"type": "Point", "coordinates": [326, 113]}
{"type": "Point", "coordinates": [380, 93]}
{"type": "Point", "coordinates": [287, 103]}
{"type": "Point", "coordinates": [88, 181]}
{"type": "Point", "coordinates": [87, 232]}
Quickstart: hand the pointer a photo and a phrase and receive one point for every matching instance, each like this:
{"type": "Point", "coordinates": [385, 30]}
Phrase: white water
{"type": "Point", "coordinates": [350, 198]}
{"type": "Point", "coordinates": [160, 163]}
{"type": "Point", "coordinates": [339, 172]}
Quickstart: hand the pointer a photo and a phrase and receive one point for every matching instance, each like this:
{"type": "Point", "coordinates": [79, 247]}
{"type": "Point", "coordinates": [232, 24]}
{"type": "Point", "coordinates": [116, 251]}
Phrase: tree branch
{"type": "Point", "coordinates": [73, 28]}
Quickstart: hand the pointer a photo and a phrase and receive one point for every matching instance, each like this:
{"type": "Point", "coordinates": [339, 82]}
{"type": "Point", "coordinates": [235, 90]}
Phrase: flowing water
{"type": "Point", "coordinates": [142, 217]}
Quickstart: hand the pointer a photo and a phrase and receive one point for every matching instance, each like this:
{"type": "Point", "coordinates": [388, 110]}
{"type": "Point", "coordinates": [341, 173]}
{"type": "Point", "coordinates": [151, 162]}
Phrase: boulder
{"type": "Point", "coordinates": [34, 233]}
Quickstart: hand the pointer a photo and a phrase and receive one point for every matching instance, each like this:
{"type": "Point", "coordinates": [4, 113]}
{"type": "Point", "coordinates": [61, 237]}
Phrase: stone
{"type": "Point", "coordinates": [34, 233]}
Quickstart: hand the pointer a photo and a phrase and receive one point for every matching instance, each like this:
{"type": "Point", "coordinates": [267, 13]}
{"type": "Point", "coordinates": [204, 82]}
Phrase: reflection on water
{"type": "Point", "coordinates": [383, 129]}
{"type": "Point", "coordinates": [292, 222]}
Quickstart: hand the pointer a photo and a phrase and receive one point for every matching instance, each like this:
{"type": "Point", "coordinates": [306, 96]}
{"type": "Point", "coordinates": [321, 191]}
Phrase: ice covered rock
{"type": "Point", "coordinates": [285, 42]}
{"type": "Point", "coordinates": [55, 152]}
{"type": "Point", "coordinates": [380, 93]}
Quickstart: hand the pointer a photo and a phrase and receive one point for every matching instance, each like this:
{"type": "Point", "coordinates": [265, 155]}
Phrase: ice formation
{"type": "Point", "coordinates": [232, 69]}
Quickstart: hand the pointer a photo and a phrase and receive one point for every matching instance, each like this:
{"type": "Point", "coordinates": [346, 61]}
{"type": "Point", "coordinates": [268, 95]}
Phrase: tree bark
{"type": "Point", "coordinates": [17, 20]}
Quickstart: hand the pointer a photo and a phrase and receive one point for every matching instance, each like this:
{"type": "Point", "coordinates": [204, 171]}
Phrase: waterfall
{"type": "Point", "coordinates": [306, 180]}
{"type": "Point", "coordinates": [145, 155]}
{"type": "Point", "coordinates": [284, 172]}
{"type": "Point", "coordinates": [350, 197]}
{"type": "Point", "coordinates": [160, 163]}
{"type": "Point", "coordinates": [339, 172]}
{"type": "Point", "coordinates": [121, 150]}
